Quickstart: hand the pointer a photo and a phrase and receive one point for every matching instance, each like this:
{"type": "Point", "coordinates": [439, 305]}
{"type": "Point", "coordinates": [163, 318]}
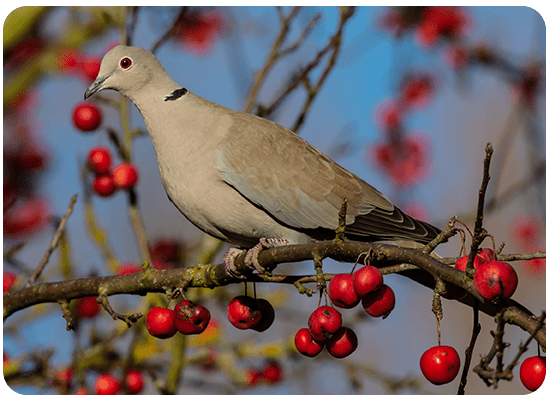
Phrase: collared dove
{"type": "Point", "coordinates": [242, 178]}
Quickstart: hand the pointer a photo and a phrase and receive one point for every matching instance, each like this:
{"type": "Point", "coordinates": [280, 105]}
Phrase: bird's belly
{"type": "Point", "coordinates": [219, 210]}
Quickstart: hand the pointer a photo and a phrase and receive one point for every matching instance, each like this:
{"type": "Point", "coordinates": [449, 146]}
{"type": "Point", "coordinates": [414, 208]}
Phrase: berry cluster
{"type": "Point", "coordinates": [107, 181]}
{"type": "Point", "coordinates": [270, 373]}
{"type": "Point", "coordinates": [245, 312]}
{"type": "Point", "coordinates": [365, 285]}
{"type": "Point", "coordinates": [493, 279]}
{"type": "Point", "coordinates": [186, 317]}
{"type": "Point", "coordinates": [108, 384]}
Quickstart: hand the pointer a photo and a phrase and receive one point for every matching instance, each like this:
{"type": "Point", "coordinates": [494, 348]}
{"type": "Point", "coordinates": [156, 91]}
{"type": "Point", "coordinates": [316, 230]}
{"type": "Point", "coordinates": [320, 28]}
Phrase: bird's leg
{"type": "Point", "coordinates": [251, 258]}
{"type": "Point", "coordinates": [229, 262]}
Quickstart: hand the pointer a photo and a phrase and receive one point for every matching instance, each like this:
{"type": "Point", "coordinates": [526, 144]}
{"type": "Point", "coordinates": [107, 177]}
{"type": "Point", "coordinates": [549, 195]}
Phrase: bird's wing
{"type": "Point", "coordinates": [300, 186]}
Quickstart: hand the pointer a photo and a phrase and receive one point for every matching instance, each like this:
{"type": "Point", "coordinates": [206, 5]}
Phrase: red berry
{"type": "Point", "coordinates": [134, 381]}
{"type": "Point", "coordinates": [125, 175]}
{"type": "Point", "coordinates": [306, 345]}
{"type": "Point", "coordinates": [191, 318]}
{"type": "Point", "coordinates": [243, 312]}
{"type": "Point", "coordinates": [487, 255]}
{"type": "Point", "coordinates": [252, 376]}
{"type": "Point", "coordinates": [99, 160]}
{"type": "Point", "coordinates": [64, 377]}
{"type": "Point", "coordinates": [28, 216]}
{"type": "Point", "coordinates": [389, 115]}
{"type": "Point", "coordinates": [104, 185]}
{"type": "Point", "coordinates": [324, 322]}
{"type": "Point", "coordinates": [87, 307]}
{"type": "Point", "coordinates": [9, 280]}
{"type": "Point", "coordinates": [86, 117]}
{"type": "Point", "coordinates": [68, 60]}
{"type": "Point", "coordinates": [160, 322]}
{"type": "Point", "coordinates": [90, 67]}
{"type": "Point", "coordinates": [380, 302]}
{"type": "Point", "coordinates": [342, 343]}
{"type": "Point", "coordinates": [532, 372]}
{"type": "Point", "coordinates": [417, 91]}
{"type": "Point", "coordinates": [341, 292]}
{"type": "Point", "coordinates": [127, 268]}
{"type": "Point", "coordinates": [268, 316]}
{"type": "Point", "coordinates": [478, 260]}
{"type": "Point", "coordinates": [440, 364]}
{"type": "Point", "coordinates": [81, 391]}
{"type": "Point", "coordinates": [367, 279]}
{"type": "Point", "coordinates": [495, 279]}
{"type": "Point", "coordinates": [273, 372]}
{"type": "Point", "coordinates": [107, 384]}
{"type": "Point", "coordinates": [166, 250]}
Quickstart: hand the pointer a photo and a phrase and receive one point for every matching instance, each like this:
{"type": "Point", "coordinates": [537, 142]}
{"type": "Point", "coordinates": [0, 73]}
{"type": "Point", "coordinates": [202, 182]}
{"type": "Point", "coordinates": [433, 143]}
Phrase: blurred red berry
{"type": "Point", "coordinates": [273, 372]}
{"type": "Point", "coordinates": [104, 185]}
{"type": "Point", "coordinates": [9, 280]}
{"type": "Point", "coordinates": [389, 115]}
{"type": "Point", "coordinates": [125, 175]}
{"type": "Point", "coordinates": [166, 250]}
{"type": "Point", "coordinates": [134, 381]}
{"type": "Point", "coordinates": [128, 268]}
{"type": "Point", "coordinates": [24, 151]}
{"type": "Point", "coordinates": [99, 160]}
{"type": "Point", "coordinates": [457, 57]}
{"type": "Point", "coordinates": [87, 307]}
{"type": "Point", "coordinates": [199, 32]}
{"type": "Point", "coordinates": [107, 384]}
{"type": "Point", "coordinates": [81, 391]}
{"type": "Point", "coordinates": [27, 216]}
{"type": "Point", "coordinates": [64, 377]}
{"type": "Point", "coordinates": [86, 116]}
{"type": "Point", "coordinates": [90, 67]}
{"type": "Point", "coordinates": [438, 22]}
{"type": "Point", "coordinates": [68, 60]}
{"type": "Point", "coordinates": [405, 162]}
{"type": "Point", "coordinates": [417, 91]}
{"type": "Point", "coordinates": [252, 376]}
{"type": "Point", "coordinates": [22, 52]}
{"type": "Point", "coordinates": [393, 20]}
{"type": "Point", "coordinates": [526, 230]}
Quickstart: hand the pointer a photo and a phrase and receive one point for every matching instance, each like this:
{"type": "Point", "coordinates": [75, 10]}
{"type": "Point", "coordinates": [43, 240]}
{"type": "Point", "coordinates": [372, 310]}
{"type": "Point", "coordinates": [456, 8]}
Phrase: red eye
{"type": "Point", "coordinates": [125, 63]}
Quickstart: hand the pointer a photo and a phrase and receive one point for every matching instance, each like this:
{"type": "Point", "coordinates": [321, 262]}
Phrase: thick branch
{"type": "Point", "coordinates": [216, 275]}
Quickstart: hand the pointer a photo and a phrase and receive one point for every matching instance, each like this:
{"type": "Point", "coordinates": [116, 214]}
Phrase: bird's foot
{"type": "Point", "coordinates": [251, 258]}
{"type": "Point", "coordinates": [229, 262]}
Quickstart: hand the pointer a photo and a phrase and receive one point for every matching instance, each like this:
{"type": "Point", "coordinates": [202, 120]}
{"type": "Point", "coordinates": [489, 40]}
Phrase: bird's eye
{"type": "Point", "coordinates": [125, 63]}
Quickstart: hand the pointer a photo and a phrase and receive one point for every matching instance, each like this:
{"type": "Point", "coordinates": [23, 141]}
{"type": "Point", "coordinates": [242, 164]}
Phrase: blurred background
{"type": "Point", "coordinates": [412, 99]}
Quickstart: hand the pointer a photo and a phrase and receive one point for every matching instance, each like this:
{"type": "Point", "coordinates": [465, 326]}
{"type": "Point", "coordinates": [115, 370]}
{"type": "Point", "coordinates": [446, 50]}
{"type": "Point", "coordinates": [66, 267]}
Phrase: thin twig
{"type": "Point", "coordinates": [170, 31]}
{"type": "Point", "coordinates": [53, 243]}
{"type": "Point", "coordinates": [470, 349]}
{"type": "Point", "coordinates": [479, 232]}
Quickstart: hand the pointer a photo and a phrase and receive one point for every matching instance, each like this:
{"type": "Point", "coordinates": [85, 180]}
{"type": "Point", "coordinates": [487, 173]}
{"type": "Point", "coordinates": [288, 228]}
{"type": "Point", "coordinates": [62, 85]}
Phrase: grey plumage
{"type": "Point", "coordinates": [240, 177]}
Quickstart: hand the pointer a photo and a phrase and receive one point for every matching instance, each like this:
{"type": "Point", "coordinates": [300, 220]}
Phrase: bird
{"type": "Point", "coordinates": [244, 179]}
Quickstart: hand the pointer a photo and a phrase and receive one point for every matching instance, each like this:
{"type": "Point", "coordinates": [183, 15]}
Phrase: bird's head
{"type": "Point", "coordinates": [126, 69]}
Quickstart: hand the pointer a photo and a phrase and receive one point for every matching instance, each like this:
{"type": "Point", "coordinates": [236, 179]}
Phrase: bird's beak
{"type": "Point", "coordinates": [96, 86]}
